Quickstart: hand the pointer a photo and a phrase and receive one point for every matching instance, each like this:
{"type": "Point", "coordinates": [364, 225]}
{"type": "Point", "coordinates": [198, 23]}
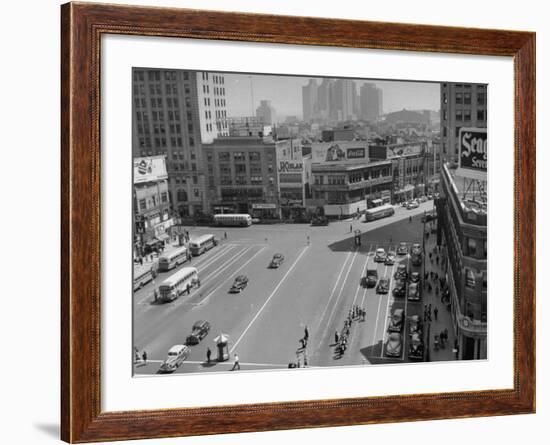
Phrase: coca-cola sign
{"type": "Point", "coordinates": [473, 149]}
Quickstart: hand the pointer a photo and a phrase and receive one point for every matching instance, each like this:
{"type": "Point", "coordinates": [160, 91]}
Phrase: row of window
{"type": "Point", "coordinates": [464, 116]}
{"type": "Point", "coordinates": [153, 201]}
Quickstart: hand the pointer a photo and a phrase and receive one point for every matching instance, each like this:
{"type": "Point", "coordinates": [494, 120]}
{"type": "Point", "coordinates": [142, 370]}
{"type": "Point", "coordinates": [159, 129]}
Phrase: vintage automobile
{"type": "Point", "coordinates": [371, 278]}
{"type": "Point", "coordinates": [413, 205]}
{"type": "Point", "coordinates": [239, 284]}
{"type": "Point", "coordinates": [396, 320]}
{"type": "Point", "coordinates": [383, 286]}
{"type": "Point", "coordinates": [390, 259]}
{"type": "Point", "coordinates": [402, 249]}
{"type": "Point", "coordinates": [415, 325]}
{"type": "Point", "coordinates": [380, 255]}
{"type": "Point", "coordinates": [399, 289]}
{"type": "Point", "coordinates": [276, 261]}
{"type": "Point", "coordinates": [415, 277]}
{"type": "Point", "coordinates": [176, 356]}
{"type": "Point", "coordinates": [414, 292]}
{"type": "Point", "coordinates": [198, 332]}
{"type": "Point", "coordinates": [394, 345]}
{"type": "Point", "coordinates": [416, 347]}
{"type": "Point", "coordinates": [401, 272]}
{"type": "Point", "coordinates": [319, 221]}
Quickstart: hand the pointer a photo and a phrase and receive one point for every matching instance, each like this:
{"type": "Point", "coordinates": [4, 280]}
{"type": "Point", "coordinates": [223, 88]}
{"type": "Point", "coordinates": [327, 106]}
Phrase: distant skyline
{"type": "Point", "coordinates": [285, 93]}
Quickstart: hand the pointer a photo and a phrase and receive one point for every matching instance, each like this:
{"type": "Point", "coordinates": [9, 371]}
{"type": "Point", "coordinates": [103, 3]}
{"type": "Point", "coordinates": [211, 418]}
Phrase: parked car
{"type": "Point", "coordinates": [319, 221]}
{"type": "Point", "coordinates": [429, 216]}
{"type": "Point", "coordinates": [399, 289]}
{"type": "Point", "coordinates": [176, 356]}
{"type": "Point", "coordinates": [383, 286]}
{"type": "Point", "coordinates": [414, 292]}
{"type": "Point", "coordinates": [394, 345]}
{"type": "Point", "coordinates": [415, 325]}
{"type": "Point", "coordinates": [396, 320]}
{"type": "Point", "coordinates": [413, 205]}
{"type": "Point", "coordinates": [276, 261]}
{"type": "Point", "coordinates": [415, 277]}
{"type": "Point", "coordinates": [239, 284]}
{"type": "Point", "coordinates": [401, 272]}
{"type": "Point", "coordinates": [199, 330]}
{"type": "Point", "coordinates": [402, 249]}
{"type": "Point", "coordinates": [390, 259]}
{"type": "Point", "coordinates": [423, 199]}
{"type": "Point", "coordinates": [416, 347]}
{"type": "Point", "coordinates": [380, 255]}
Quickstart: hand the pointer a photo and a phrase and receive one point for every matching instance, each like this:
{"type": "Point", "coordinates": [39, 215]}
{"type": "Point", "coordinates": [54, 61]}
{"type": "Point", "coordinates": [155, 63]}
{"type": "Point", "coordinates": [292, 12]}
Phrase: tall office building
{"type": "Point", "coordinates": [370, 101]}
{"type": "Point", "coordinates": [462, 105]}
{"type": "Point", "coordinates": [323, 99]}
{"type": "Point", "coordinates": [309, 100]}
{"type": "Point", "coordinates": [174, 111]}
{"type": "Point", "coordinates": [343, 95]}
{"type": "Point", "coordinates": [266, 112]}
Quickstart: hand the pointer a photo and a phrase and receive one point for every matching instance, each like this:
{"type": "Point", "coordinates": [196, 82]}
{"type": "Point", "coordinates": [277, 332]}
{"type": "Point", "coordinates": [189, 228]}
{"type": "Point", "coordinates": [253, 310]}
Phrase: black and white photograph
{"type": "Point", "coordinates": [284, 221]}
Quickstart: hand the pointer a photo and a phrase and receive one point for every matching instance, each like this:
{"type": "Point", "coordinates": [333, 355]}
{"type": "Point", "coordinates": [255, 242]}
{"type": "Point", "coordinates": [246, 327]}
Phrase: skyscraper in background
{"type": "Point", "coordinates": [370, 101]}
{"type": "Point", "coordinates": [266, 112]}
{"type": "Point", "coordinates": [310, 100]}
{"type": "Point", "coordinates": [342, 99]}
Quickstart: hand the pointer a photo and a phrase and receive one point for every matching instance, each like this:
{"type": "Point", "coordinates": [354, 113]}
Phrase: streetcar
{"type": "Point", "coordinates": [178, 283]}
{"type": "Point", "coordinates": [173, 259]}
{"type": "Point", "coordinates": [233, 219]}
{"type": "Point", "coordinates": [379, 212]}
{"type": "Point", "coordinates": [198, 246]}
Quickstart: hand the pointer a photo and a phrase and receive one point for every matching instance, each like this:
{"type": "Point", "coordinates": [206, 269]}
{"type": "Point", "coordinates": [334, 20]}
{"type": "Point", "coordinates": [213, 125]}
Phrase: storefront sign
{"type": "Point", "coordinates": [291, 166]}
{"type": "Point", "coordinates": [264, 206]}
{"type": "Point", "coordinates": [473, 152]}
{"type": "Point", "coordinates": [355, 153]}
{"type": "Point", "coordinates": [339, 152]}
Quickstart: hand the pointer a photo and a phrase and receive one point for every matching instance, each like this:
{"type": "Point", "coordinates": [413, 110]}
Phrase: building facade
{"type": "Point", "coordinates": [462, 222]}
{"type": "Point", "coordinates": [151, 203]}
{"type": "Point", "coordinates": [174, 111]}
{"type": "Point", "coordinates": [309, 100]}
{"type": "Point", "coordinates": [370, 102]}
{"type": "Point", "coordinates": [266, 113]}
{"type": "Point", "coordinates": [462, 105]}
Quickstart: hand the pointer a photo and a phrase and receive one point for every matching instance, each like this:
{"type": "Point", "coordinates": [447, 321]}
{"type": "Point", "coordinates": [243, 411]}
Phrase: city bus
{"type": "Point", "coordinates": [178, 283]}
{"type": "Point", "coordinates": [142, 275]}
{"type": "Point", "coordinates": [233, 219]}
{"type": "Point", "coordinates": [379, 212]}
{"type": "Point", "coordinates": [173, 259]}
{"type": "Point", "coordinates": [199, 245]}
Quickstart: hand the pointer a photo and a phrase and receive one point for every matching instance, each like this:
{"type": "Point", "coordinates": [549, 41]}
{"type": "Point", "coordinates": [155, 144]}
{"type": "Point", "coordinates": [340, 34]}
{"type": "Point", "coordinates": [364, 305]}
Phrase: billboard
{"type": "Point", "coordinates": [339, 152]}
{"type": "Point", "coordinates": [472, 153]}
{"type": "Point", "coordinates": [149, 169]}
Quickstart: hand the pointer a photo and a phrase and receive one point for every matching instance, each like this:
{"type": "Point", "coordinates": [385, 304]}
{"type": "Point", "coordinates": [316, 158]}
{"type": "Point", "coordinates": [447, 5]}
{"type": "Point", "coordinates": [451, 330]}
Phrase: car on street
{"type": "Point", "coordinates": [416, 347]}
{"type": "Point", "coordinates": [276, 261]}
{"type": "Point", "coordinates": [371, 278]}
{"type": "Point", "coordinates": [396, 320]}
{"type": "Point", "coordinates": [414, 292]}
{"type": "Point", "coordinates": [383, 286]}
{"type": "Point", "coordinates": [415, 277]}
{"type": "Point", "coordinates": [405, 203]}
{"type": "Point", "coordinates": [399, 289]}
{"type": "Point", "coordinates": [390, 259]}
{"type": "Point", "coordinates": [319, 221]}
{"type": "Point", "coordinates": [423, 198]}
{"type": "Point", "coordinates": [199, 330]}
{"type": "Point", "coordinates": [239, 284]}
{"type": "Point", "coordinates": [394, 345]}
{"type": "Point", "coordinates": [176, 356]}
{"type": "Point", "coordinates": [415, 325]}
{"type": "Point", "coordinates": [402, 249]}
{"type": "Point", "coordinates": [429, 216]}
{"type": "Point", "coordinates": [380, 255]}
{"type": "Point", "coordinates": [413, 205]}
{"type": "Point", "coordinates": [401, 272]}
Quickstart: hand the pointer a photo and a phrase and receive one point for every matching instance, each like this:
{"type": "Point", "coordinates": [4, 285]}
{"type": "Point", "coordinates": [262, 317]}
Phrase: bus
{"type": "Point", "coordinates": [142, 275]}
{"type": "Point", "coordinates": [199, 245]}
{"type": "Point", "coordinates": [233, 219]}
{"type": "Point", "coordinates": [173, 259]}
{"type": "Point", "coordinates": [379, 212]}
{"type": "Point", "coordinates": [178, 283]}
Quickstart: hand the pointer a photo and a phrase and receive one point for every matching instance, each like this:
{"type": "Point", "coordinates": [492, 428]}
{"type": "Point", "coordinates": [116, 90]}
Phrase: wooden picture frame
{"type": "Point", "coordinates": [82, 26]}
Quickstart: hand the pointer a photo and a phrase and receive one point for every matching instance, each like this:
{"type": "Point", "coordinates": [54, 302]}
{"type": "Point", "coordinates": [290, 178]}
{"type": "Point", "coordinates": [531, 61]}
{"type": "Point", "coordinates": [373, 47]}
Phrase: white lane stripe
{"type": "Point", "coordinates": [215, 257]}
{"type": "Point", "coordinates": [231, 276]}
{"type": "Point", "coordinates": [332, 293]}
{"type": "Point", "coordinates": [225, 265]}
{"type": "Point", "coordinates": [268, 299]}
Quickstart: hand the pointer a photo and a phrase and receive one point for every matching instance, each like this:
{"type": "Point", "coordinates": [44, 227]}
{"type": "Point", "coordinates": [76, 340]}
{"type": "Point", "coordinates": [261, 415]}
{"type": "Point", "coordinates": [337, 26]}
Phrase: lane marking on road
{"type": "Point", "coordinates": [205, 299]}
{"type": "Point", "coordinates": [269, 298]}
{"type": "Point", "coordinates": [332, 293]}
{"type": "Point", "coordinates": [229, 362]}
{"type": "Point", "coordinates": [209, 277]}
{"type": "Point", "coordinates": [215, 256]}
{"type": "Point", "coordinates": [335, 305]}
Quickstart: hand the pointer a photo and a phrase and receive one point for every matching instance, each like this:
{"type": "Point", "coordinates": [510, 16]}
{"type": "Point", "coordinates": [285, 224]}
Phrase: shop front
{"type": "Point", "coordinates": [264, 211]}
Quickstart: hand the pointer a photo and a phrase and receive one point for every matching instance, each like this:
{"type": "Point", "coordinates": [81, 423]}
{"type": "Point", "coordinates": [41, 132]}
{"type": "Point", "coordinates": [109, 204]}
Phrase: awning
{"type": "Point", "coordinates": [151, 242]}
{"type": "Point", "coordinates": [163, 236]}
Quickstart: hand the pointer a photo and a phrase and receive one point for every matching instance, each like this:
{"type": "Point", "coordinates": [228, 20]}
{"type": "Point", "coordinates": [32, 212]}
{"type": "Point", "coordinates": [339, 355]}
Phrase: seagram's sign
{"type": "Point", "coordinates": [473, 149]}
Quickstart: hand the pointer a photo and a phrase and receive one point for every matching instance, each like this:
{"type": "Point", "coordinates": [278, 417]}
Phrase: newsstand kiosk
{"type": "Point", "coordinates": [222, 341]}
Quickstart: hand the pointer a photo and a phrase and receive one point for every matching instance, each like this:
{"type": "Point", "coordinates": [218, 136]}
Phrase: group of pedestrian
{"type": "Point", "coordinates": [356, 313]}
{"type": "Point", "coordinates": [140, 358]}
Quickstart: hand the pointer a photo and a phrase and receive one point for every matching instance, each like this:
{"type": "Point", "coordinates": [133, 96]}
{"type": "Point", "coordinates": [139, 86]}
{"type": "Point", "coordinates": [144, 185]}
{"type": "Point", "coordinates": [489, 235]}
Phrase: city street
{"type": "Point", "coordinates": [316, 286]}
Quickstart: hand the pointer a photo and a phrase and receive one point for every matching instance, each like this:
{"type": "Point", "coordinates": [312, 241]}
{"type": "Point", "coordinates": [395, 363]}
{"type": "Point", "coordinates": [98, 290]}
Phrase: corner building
{"type": "Point", "coordinates": [463, 229]}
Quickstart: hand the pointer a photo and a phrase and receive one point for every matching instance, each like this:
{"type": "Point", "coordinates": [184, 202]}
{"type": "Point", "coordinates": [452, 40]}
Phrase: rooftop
{"type": "Point", "coordinates": [470, 193]}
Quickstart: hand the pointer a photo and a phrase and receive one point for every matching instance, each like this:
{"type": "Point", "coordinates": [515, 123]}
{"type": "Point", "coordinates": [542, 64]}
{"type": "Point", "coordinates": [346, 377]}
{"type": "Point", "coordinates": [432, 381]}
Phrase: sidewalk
{"type": "Point", "coordinates": [444, 319]}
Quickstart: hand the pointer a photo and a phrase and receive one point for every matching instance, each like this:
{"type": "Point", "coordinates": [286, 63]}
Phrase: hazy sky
{"type": "Point", "coordinates": [285, 93]}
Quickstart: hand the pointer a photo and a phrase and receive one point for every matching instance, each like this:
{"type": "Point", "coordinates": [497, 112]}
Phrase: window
{"type": "Point", "coordinates": [470, 280]}
{"type": "Point", "coordinates": [467, 98]}
{"type": "Point", "coordinates": [457, 131]}
{"type": "Point", "coordinates": [458, 98]}
{"type": "Point", "coordinates": [467, 115]}
{"type": "Point", "coordinates": [185, 75]}
{"type": "Point", "coordinates": [182, 195]}
{"type": "Point", "coordinates": [444, 115]}
{"type": "Point", "coordinates": [458, 115]}
{"type": "Point", "coordinates": [471, 247]}
{"type": "Point", "coordinates": [480, 115]}
{"type": "Point", "coordinates": [191, 141]}
{"type": "Point", "coordinates": [195, 179]}
{"type": "Point", "coordinates": [142, 204]}
{"type": "Point", "coordinates": [223, 156]}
